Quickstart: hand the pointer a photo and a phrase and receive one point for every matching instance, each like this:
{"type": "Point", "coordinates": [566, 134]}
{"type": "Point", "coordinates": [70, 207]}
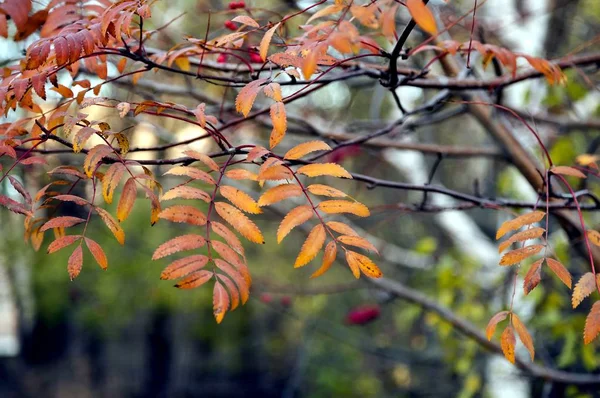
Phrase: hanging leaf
{"type": "Point", "coordinates": [111, 180]}
{"type": "Point", "coordinates": [518, 255]}
{"type": "Point", "coordinates": [238, 278]}
{"type": "Point", "coordinates": [178, 244]}
{"type": "Point", "coordinates": [560, 271]}
{"type": "Point", "coordinates": [311, 247]}
{"type": "Point", "coordinates": [273, 90]}
{"type": "Point", "coordinates": [328, 259]}
{"type": "Point", "coordinates": [94, 156]}
{"type": "Point", "coordinates": [279, 120]}
{"type": "Point", "coordinates": [62, 242]}
{"type": "Point", "coordinates": [195, 279]}
{"type": "Point", "coordinates": [494, 321]}
{"type": "Point", "coordinates": [344, 206]}
{"type": "Point", "coordinates": [266, 42]}
{"type": "Point", "coordinates": [128, 197]}
{"type": "Point", "coordinates": [234, 294]}
{"type": "Point", "coordinates": [185, 192]}
{"type": "Point", "coordinates": [363, 263]}
{"type": "Point", "coordinates": [305, 148]}
{"type": "Point", "coordinates": [583, 288]}
{"type": "Point", "coordinates": [211, 164]}
{"type": "Point", "coordinates": [16, 184]}
{"type": "Point", "coordinates": [239, 222]}
{"type": "Point", "coordinates": [531, 233]}
{"type": "Point", "coordinates": [508, 341]}
{"type": "Point", "coordinates": [231, 239]}
{"type": "Point", "coordinates": [357, 241]}
{"type": "Point", "coordinates": [295, 217]}
{"type": "Point", "coordinates": [592, 324]}
{"type": "Point", "coordinates": [97, 253]}
{"type": "Point", "coordinates": [75, 262]}
{"type": "Point", "coordinates": [524, 335]}
{"type": "Point", "coordinates": [61, 222]}
{"type": "Point", "coordinates": [521, 221]}
{"type": "Point", "coordinates": [247, 95]}
{"type": "Point", "coordinates": [325, 190]}
{"type": "Point", "coordinates": [184, 266]}
{"type": "Point", "coordinates": [279, 193]}
{"type": "Point", "coordinates": [246, 20]}
{"type": "Point", "coordinates": [241, 174]}
{"type": "Point", "coordinates": [422, 16]}
{"type": "Point", "coordinates": [220, 301]}
{"type": "Point", "coordinates": [183, 214]}
{"type": "Point", "coordinates": [193, 173]}
{"type": "Point", "coordinates": [533, 277]}
{"type": "Point", "coordinates": [341, 228]}
{"type": "Point", "coordinates": [324, 169]}
{"type": "Point", "coordinates": [240, 199]}
{"type": "Point", "coordinates": [567, 171]}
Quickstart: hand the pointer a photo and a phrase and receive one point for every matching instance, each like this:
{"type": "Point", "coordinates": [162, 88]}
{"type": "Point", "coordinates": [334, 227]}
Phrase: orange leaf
{"type": "Point", "coordinates": [524, 335]}
{"type": "Point", "coordinates": [328, 259]}
{"type": "Point", "coordinates": [311, 247]}
{"type": "Point", "coordinates": [592, 324]}
{"type": "Point", "coordinates": [423, 17]}
{"type": "Point", "coordinates": [331, 9]}
{"type": "Point", "coordinates": [240, 199]}
{"type": "Point", "coordinates": [192, 172]}
{"type": "Point", "coordinates": [62, 242]}
{"type": "Point", "coordinates": [279, 120]}
{"type": "Point", "coordinates": [324, 169]}
{"type": "Point", "coordinates": [388, 22]}
{"type": "Point", "coordinates": [518, 255]}
{"type": "Point", "coordinates": [220, 301]}
{"type": "Point", "coordinates": [112, 224]}
{"type": "Point", "coordinates": [325, 190]}
{"type": "Point", "coordinates": [238, 278]}
{"type": "Point", "coordinates": [183, 214]}
{"type": "Point", "coordinates": [273, 90]}
{"type": "Point", "coordinates": [97, 252]}
{"type": "Point", "coordinates": [364, 263]}
{"type": "Point", "coordinates": [111, 181]}
{"type": "Point", "coordinates": [127, 200]}
{"type": "Point", "coordinates": [180, 243]}
{"type": "Point", "coordinates": [560, 271]}
{"type": "Point", "coordinates": [275, 173]}
{"type": "Point", "coordinates": [266, 42]}
{"type": "Point", "coordinates": [247, 95]}
{"type": "Point", "coordinates": [94, 156]}
{"type": "Point", "coordinates": [279, 193]}
{"type": "Point", "coordinates": [203, 158]}
{"type": "Point", "coordinates": [246, 20]}
{"type": "Point", "coordinates": [309, 63]}
{"type": "Point", "coordinates": [295, 217]}
{"type": "Point", "coordinates": [508, 341]}
{"type": "Point", "coordinates": [522, 220]}
{"type": "Point", "coordinates": [196, 279]}
{"type": "Point", "coordinates": [583, 288]}
{"type": "Point", "coordinates": [75, 262]}
{"type": "Point", "coordinates": [532, 233]}
{"type": "Point", "coordinates": [61, 222]}
{"type": "Point", "coordinates": [357, 241]}
{"type": "Point", "coordinates": [184, 266]}
{"type": "Point", "coordinates": [533, 277]}
{"type": "Point", "coordinates": [240, 174]}
{"type": "Point", "coordinates": [365, 15]}
{"type": "Point", "coordinates": [494, 321]}
{"type": "Point", "coordinates": [341, 228]}
{"type": "Point", "coordinates": [344, 206]}
{"type": "Point", "coordinates": [234, 293]}
{"type": "Point", "coordinates": [239, 222]}
{"type": "Point", "coordinates": [225, 233]}
{"type": "Point", "coordinates": [185, 192]}
{"type": "Point", "coordinates": [567, 171]}
{"type": "Point", "coordinates": [305, 148]}
{"type": "Point", "coordinates": [594, 236]}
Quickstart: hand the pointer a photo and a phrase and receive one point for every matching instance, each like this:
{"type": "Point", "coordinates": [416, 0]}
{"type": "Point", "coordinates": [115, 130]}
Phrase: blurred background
{"type": "Point", "coordinates": [124, 333]}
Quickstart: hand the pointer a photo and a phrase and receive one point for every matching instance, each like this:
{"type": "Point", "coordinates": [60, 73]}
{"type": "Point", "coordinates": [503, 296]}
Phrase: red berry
{"type": "Point", "coordinates": [222, 58]}
{"type": "Point", "coordinates": [255, 57]}
{"type": "Point", "coordinates": [233, 5]}
{"type": "Point", "coordinates": [266, 298]}
{"type": "Point", "coordinates": [230, 25]}
{"type": "Point", "coordinates": [241, 4]}
{"type": "Point", "coordinates": [363, 315]}
{"type": "Point", "coordinates": [286, 301]}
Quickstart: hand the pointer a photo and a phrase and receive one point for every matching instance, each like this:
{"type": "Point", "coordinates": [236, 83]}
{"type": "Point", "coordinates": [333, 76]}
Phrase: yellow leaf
{"type": "Point", "coordinates": [344, 206]}
{"type": "Point", "coordinates": [239, 222]}
{"type": "Point", "coordinates": [357, 261]}
{"type": "Point", "coordinates": [508, 341]}
{"type": "Point", "coordinates": [266, 41]}
{"type": "Point", "coordinates": [273, 90]}
{"type": "Point", "coordinates": [328, 259]}
{"type": "Point", "coordinates": [524, 335]}
{"type": "Point", "coordinates": [357, 241]}
{"type": "Point", "coordinates": [532, 233]}
{"type": "Point", "coordinates": [128, 196]}
{"type": "Point", "coordinates": [240, 199]}
{"type": "Point", "coordinates": [594, 236]}
{"type": "Point", "coordinates": [295, 217]}
{"type": "Point", "coordinates": [423, 17]}
{"type": "Point", "coordinates": [587, 160]}
{"type": "Point", "coordinates": [111, 181]}
{"type": "Point", "coordinates": [220, 302]}
{"type": "Point", "coordinates": [279, 193]}
{"type": "Point", "coordinates": [583, 288]}
{"type": "Point", "coordinates": [94, 156]}
{"type": "Point", "coordinates": [592, 324]}
{"type": "Point", "coordinates": [494, 321]}
{"type": "Point", "coordinates": [279, 121]}
{"type": "Point", "coordinates": [311, 247]}
{"type": "Point", "coordinates": [305, 148]}
{"type": "Point", "coordinates": [247, 95]}
{"type": "Point", "coordinates": [323, 12]}
{"type": "Point", "coordinates": [246, 20]}
{"type": "Point", "coordinates": [518, 255]}
{"type": "Point", "coordinates": [324, 169]}
{"type": "Point", "coordinates": [341, 228]}
{"type": "Point", "coordinates": [183, 63]}
{"type": "Point", "coordinates": [567, 171]}
{"type": "Point", "coordinates": [516, 223]}
{"type": "Point", "coordinates": [112, 224]}
{"type": "Point", "coordinates": [309, 63]}
{"type": "Point", "coordinates": [560, 271]}
{"type": "Point", "coordinates": [324, 190]}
